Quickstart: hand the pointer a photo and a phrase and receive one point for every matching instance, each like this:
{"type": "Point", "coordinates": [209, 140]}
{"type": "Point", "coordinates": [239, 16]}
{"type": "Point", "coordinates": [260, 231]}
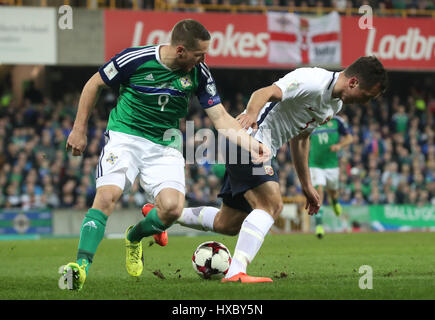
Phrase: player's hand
{"type": "Point", "coordinates": [313, 200]}
{"type": "Point", "coordinates": [260, 153]}
{"type": "Point", "coordinates": [335, 148]}
{"type": "Point", "coordinates": [247, 121]}
{"type": "Point", "coordinates": [77, 142]}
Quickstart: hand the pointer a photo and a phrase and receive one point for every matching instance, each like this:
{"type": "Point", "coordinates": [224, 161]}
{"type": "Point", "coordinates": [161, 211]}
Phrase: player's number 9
{"type": "Point", "coordinates": [163, 101]}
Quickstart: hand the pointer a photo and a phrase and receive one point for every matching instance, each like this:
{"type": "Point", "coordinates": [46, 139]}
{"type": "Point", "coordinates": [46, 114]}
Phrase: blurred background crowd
{"type": "Point", "coordinates": [302, 6]}
{"type": "Point", "coordinates": [339, 5]}
{"type": "Point", "coordinates": [390, 162]}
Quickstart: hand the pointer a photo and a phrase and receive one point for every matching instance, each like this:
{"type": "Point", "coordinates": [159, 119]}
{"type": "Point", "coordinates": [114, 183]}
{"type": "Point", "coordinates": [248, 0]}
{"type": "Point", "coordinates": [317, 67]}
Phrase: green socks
{"type": "Point", "coordinates": [91, 234]}
{"type": "Point", "coordinates": [318, 218]}
{"type": "Point", "coordinates": [150, 225]}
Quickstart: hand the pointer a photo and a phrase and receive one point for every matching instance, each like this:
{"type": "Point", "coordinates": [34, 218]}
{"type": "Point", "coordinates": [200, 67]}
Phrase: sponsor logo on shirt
{"type": "Point", "coordinates": [149, 77]}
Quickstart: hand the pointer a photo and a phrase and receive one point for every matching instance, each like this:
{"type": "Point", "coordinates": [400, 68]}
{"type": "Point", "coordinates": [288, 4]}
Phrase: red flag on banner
{"type": "Point", "coordinates": [304, 41]}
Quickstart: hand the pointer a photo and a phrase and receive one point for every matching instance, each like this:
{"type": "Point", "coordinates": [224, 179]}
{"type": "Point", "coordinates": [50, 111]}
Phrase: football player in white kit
{"type": "Point", "coordinates": [288, 110]}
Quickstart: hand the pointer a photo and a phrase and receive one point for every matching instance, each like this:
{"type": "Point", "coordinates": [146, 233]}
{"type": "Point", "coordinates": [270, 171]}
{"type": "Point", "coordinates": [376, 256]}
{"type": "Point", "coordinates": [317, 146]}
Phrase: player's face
{"type": "Point", "coordinates": [187, 59]}
{"type": "Point", "coordinates": [355, 94]}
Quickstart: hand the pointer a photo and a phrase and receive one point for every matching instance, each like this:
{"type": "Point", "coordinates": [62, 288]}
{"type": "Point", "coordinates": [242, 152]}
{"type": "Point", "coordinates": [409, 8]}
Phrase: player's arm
{"type": "Point", "coordinates": [231, 129]}
{"type": "Point", "coordinates": [256, 102]}
{"type": "Point", "coordinates": [77, 139]}
{"type": "Point", "coordinates": [345, 134]}
{"type": "Point", "coordinates": [300, 149]}
{"type": "Point", "coordinates": [344, 141]}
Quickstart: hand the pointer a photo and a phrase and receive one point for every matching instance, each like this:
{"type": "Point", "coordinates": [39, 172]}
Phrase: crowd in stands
{"type": "Point", "coordinates": [390, 162]}
{"type": "Point", "coordinates": [337, 4]}
{"type": "Point", "coordinates": [340, 5]}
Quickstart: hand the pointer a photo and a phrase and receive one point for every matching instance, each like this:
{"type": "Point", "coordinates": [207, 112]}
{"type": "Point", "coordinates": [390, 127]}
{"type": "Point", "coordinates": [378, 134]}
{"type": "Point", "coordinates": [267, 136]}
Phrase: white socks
{"type": "Point", "coordinates": [200, 218]}
{"type": "Point", "coordinates": [251, 237]}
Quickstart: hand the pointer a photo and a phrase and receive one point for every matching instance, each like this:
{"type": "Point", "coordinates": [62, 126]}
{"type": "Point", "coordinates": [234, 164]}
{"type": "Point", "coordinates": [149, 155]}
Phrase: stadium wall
{"type": "Point", "coordinates": [272, 40]}
{"type": "Point", "coordinates": [67, 222]}
{"type": "Point", "coordinates": [79, 46]}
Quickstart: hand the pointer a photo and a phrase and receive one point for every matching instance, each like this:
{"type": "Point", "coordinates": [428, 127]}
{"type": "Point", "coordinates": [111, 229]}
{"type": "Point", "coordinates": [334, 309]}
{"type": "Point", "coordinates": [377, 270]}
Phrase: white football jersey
{"type": "Point", "coordinates": [306, 103]}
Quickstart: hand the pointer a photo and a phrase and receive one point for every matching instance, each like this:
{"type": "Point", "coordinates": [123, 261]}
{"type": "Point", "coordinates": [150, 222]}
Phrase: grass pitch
{"type": "Point", "coordinates": [302, 267]}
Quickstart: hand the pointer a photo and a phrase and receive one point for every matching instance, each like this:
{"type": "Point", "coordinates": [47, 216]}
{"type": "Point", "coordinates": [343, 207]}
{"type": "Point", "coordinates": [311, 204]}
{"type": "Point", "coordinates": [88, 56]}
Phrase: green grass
{"type": "Point", "coordinates": [302, 267]}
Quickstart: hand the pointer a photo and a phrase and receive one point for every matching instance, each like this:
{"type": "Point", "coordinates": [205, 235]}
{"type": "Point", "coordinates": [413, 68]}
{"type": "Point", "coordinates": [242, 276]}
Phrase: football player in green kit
{"type": "Point", "coordinates": [155, 84]}
{"type": "Point", "coordinates": [326, 141]}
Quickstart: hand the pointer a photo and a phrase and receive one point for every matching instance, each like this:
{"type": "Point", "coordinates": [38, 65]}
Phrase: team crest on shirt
{"type": "Point", "coordinates": [111, 158]}
{"type": "Point", "coordinates": [185, 81]}
{"type": "Point", "coordinates": [268, 170]}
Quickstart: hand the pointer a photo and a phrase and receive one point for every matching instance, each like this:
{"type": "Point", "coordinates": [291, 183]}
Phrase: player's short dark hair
{"type": "Point", "coordinates": [369, 71]}
{"type": "Point", "coordinates": [187, 32]}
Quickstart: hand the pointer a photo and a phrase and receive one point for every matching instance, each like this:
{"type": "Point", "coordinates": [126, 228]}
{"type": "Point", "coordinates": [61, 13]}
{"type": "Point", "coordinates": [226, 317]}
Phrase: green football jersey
{"type": "Point", "coordinates": [322, 138]}
{"type": "Point", "coordinates": [152, 98]}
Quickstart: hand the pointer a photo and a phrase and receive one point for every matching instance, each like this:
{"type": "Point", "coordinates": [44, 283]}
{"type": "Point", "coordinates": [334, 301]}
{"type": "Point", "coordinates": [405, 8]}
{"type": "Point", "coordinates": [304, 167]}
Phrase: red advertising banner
{"type": "Point", "coordinates": [237, 39]}
{"type": "Point", "coordinates": [283, 40]}
{"type": "Point", "coordinates": [400, 43]}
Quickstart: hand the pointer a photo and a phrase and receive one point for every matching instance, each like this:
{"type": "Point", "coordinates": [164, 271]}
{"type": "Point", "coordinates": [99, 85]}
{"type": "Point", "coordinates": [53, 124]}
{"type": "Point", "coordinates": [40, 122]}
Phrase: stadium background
{"type": "Point", "coordinates": [387, 175]}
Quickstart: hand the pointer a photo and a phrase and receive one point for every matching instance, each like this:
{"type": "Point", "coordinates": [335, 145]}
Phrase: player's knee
{"type": "Point", "coordinates": [223, 226]}
{"type": "Point", "coordinates": [171, 210]}
{"type": "Point", "coordinates": [105, 199]}
{"type": "Point", "coordinates": [272, 205]}
{"type": "Point", "coordinates": [276, 209]}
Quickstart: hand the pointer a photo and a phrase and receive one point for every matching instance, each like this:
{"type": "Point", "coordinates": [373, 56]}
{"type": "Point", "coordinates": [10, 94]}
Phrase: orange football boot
{"type": "Point", "coordinates": [244, 278]}
{"type": "Point", "coordinates": [160, 238]}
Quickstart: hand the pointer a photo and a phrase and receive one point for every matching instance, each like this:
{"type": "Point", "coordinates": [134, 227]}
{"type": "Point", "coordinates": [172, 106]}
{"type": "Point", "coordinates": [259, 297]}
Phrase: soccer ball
{"type": "Point", "coordinates": [211, 260]}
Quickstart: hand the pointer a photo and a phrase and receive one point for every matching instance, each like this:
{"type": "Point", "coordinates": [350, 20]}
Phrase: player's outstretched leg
{"type": "Point", "coordinates": [91, 234]}
{"type": "Point", "coordinates": [254, 229]}
{"type": "Point", "coordinates": [200, 218]}
{"type": "Point", "coordinates": [336, 207]}
{"type": "Point", "coordinates": [134, 255]}
{"type": "Point", "coordinates": [160, 238]}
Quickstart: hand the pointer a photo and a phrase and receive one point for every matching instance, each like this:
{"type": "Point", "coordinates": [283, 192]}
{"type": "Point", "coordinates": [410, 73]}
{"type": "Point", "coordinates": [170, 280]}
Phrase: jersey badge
{"type": "Point", "coordinates": [111, 158]}
{"type": "Point", "coordinates": [268, 170]}
{"type": "Point", "coordinates": [185, 81]}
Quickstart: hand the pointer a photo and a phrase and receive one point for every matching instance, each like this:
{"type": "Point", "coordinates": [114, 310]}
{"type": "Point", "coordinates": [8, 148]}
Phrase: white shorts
{"type": "Point", "coordinates": [325, 177]}
{"type": "Point", "coordinates": [125, 157]}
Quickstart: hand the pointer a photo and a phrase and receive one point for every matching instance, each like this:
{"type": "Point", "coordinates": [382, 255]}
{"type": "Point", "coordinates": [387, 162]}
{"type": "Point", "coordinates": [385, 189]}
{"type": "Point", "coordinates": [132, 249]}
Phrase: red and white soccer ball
{"type": "Point", "coordinates": [211, 260]}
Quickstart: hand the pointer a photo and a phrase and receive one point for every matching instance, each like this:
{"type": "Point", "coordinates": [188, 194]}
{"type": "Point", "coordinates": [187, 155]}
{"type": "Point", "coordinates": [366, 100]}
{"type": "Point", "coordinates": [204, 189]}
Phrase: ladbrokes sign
{"type": "Point", "coordinates": [399, 43]}
{"type": "Point", "coordinates": [283, 40]}
{"type": "Point", "coordinates": [237, 40]}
